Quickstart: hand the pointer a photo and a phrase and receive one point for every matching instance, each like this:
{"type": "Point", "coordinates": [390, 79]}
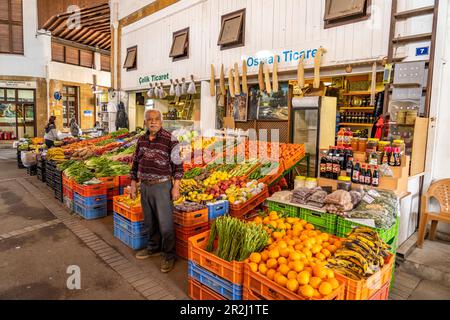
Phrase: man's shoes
{"type": "Point", "coordinates": [145, 254]}
{"type": "Point", "coordinates": [167, 265]}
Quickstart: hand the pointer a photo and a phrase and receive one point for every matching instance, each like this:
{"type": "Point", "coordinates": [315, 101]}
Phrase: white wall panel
{"type": "Point", "coordinates": [271, 25]}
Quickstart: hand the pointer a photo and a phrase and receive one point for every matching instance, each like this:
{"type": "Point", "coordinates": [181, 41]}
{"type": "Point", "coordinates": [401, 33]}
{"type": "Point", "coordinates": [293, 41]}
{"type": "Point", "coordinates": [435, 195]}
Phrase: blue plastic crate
{"type": "Point", "coordinates": [218, 209]}
{"type": "Point", "coordinates": [90, 201]}
{"type": "Point", "coordinates": [132, 241]}
{"type": "Point", "coordinates": [221, 286]}
{"type": "Point", "coordinates": [135, 228]}
{"type": "Point", "coordinates": [91, 213]}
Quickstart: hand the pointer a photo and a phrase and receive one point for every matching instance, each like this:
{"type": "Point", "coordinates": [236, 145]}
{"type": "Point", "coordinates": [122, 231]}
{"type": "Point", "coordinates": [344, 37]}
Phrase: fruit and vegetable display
{"type": "Point", "coordinates": [126, 200]}
{"type": "Point", "coordinates": [79, 172]}
{"type": "Point", "coordinates": [55, 154]}
{"type": "Point", "coordinates": [264, 170]}
{"type": "Point", "coordinates": [236, 239]}
{"type": "Point", "coordinates": [185, 206]}
{"type": "Point", "coordinates": [296, 257]}
{"type": "Point", "coordinates": [104, 167]}
{"type": "Point", "coordinates": [236, 195]}
{"type": "Point", "coordinates": [362, 254]}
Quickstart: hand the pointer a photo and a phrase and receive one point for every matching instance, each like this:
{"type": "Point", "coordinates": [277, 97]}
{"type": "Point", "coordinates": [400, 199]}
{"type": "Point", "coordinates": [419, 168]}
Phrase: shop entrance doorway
{"type": "Point", "coordinates": [70, 104]}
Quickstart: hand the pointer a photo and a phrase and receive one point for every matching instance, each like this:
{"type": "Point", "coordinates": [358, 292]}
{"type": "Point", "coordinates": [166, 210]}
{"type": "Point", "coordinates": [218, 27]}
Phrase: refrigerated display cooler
{"type": "Point", "coordinates": [313, 123]}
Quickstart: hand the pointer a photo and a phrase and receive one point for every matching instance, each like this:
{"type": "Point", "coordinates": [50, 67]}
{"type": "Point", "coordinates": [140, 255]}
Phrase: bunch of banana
{"type": "Point", "coordinates": [362, 254]}
{"type": "Point", "coordinates": [180, 201]}
{"type": "Point", "coordinates": [188, 185]}
{"type": "Point", "coordinates": [56, 154]}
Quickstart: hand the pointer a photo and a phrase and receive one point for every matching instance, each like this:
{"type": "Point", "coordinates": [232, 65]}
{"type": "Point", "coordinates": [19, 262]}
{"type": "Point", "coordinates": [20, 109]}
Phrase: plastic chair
{"type": "Point", "coordinates": [440, 191]}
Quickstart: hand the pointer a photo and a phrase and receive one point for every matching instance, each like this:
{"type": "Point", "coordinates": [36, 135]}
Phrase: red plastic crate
{"type": "Point", "coordinates": [382, 294]}
{"type": "Point", "coordinates": [90, 190]}
{"type": "Point", "coordinates": [111, 193]}
{"type": "Point", "coordinates": [197, 291]}
{"type": "Point", "coordinates": [110, 182]}
{"type": "Point", "coordinates": [191, 219]}
{"type": "Point", "coordinates": [124, 181]}
{"type": "Point", "coordinates": [184, 233]}
{"type": "Point", "coordinates": [68, 192]}
{"type": "Point", "coordinates": [182, 248]}
{"type": "Point", "coordinates": [230, 271]}
{"type": "Point", "coordinates": [67, 181]}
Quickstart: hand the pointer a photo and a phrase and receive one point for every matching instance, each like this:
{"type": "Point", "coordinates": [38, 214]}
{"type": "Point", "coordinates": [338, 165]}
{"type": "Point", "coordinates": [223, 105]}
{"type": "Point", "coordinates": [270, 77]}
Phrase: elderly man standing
{"type": "Point", "coordinates": [158, 168]}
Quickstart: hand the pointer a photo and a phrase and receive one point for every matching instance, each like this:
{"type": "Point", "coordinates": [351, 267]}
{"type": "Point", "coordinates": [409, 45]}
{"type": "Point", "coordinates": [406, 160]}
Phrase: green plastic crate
{"type": "Point", "coordinates": [286, 209]}
{"type": "Point", "coordinates": [325, 222]}
{"type": "Point", "coordinates": [344, 227]}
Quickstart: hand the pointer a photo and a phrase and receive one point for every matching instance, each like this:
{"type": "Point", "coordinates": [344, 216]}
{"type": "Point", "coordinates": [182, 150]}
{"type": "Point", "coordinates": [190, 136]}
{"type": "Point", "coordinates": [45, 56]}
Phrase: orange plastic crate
{"type": "Point", "coordinates": [182, 248]}
{"type": "Point", "coordinates": [89, 190]}
{"type": "Point", "coordinates": [382, 294]}
{"type": "Point", "coordinates": [260, 286]}
{"type": "Point", "coordinates": [110, 182]}
{"type": "Point", "coordinates": [197, 291]}
{"type": "Point", "coordinates": [124, 181]}
{"type": "Point", "coordinates": [244, 208]}
{"type": "Point", "coordinates": [184, 233]}
{"type": "Point", "coordinates": [190, 219]}
{"type": "Point", "coordinates": [134, 214]}
{"type": "Point", "coordinates": [274, 176]}
{"type": "Point", "coordinates": [231, 271]}
{"type": "Point", "coordinates": [67, 181]}
{"type": "Point", "coordinates": [364, 289]}
{"type": "Point", "coordinates": [289, 163]}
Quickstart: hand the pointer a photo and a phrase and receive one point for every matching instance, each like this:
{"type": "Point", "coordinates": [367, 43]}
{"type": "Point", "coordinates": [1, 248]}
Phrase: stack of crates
{"type": "Point", "coordinates": [32, 170]}
{"type": "Point", "coordinates": [68, 193]}
{"type": "Point", "coordinates": [129, 226]}
{"type": "Point", "coordinates": [209, 277]}
{"type": "Point", "coordinates": [188, 224]}
{"type": "Point", "coordinates": [58, 184]}
{"type": "Point", "coordinates": [90, 201]}
{"type": "Point", "coordinates": [50, 167]}
{"type": "Point", "coordinates": [112, 190]}
{"type": "Point", "coordinates": [41, 170]}
{"type": "Point", "coordinates": [19, 160]}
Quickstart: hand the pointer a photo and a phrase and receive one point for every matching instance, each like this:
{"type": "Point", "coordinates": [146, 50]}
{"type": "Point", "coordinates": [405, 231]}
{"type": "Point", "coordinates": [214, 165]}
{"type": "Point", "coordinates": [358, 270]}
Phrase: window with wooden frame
{"type": "Point", "coordinates": [72, 55]}
{"type": "Point", "coordinates": [131, 59]}
{"type": "Point", "coordinates": [11, 27]}
{"type": "Point", "coordinates": [86, 59]}
{"type": "Point", "coordinates": [232, 32]}
{"type": "Point", "coordinates": [180, 45]}
{"type": "Point", "coordinates": [340, 12]}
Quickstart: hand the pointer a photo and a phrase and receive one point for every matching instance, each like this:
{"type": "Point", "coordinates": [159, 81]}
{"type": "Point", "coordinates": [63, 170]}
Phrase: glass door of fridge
{"type": "Point", "coordinates": [306, 131]}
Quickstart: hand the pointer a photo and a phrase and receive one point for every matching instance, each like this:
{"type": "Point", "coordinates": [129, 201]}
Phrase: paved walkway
{"type": "Point", "coordinates": [40, 239]}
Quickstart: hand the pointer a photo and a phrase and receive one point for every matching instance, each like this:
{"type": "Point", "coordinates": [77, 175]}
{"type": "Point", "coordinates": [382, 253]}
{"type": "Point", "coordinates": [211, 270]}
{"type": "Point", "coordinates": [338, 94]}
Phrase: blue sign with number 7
{"type": "Point", "coordinates": [424, 51]}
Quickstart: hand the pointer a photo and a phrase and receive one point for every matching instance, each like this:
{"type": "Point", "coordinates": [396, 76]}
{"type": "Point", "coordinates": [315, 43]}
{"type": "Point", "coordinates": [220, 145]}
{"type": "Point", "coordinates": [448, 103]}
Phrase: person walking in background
{"type": "Point", "coordinates": [74, 128]}
{"type": "Point", "coordinates": [158, 167]}
{"type": "Point", "coordinates": [51, 134]}
{"type": "Point", "coordinates": [122, 118]}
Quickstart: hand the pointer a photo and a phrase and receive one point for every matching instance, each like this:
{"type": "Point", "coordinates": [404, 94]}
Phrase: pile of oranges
{"type": "Point", "coordinates": [296, 256]}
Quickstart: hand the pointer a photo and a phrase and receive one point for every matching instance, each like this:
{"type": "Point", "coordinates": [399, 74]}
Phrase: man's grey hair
{"type": "Point", "coordinates": [152, 110]}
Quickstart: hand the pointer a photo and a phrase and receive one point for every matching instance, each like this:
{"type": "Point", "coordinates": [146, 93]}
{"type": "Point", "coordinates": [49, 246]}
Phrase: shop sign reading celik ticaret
{"type": "Point", "coordinates": [153, 78]}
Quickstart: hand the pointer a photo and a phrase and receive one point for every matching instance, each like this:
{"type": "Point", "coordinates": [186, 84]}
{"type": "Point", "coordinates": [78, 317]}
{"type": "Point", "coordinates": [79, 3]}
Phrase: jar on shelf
{"type": "Point", "coordinates": [401, 145]}
{"type": "Point", "coordinates": [383, 145]}
{"type": "Point", "coordinates": [344, 183]}
{"type": "Point", "coordinates": [299, 182]}
{"type": "Point", "coordinates": [354, 144]}
{"type": "Point", "coordinates": [311, 183]}
{"type": "Point", "coordinates": [362, 144]}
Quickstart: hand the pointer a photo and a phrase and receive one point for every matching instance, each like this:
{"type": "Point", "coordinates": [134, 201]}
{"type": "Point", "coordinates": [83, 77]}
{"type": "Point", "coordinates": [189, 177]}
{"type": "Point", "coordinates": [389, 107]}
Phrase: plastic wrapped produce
{"type": "Point", "coordinates": [302, 195]}
{"type": "Point", "coordinates": [339, 197]}
{"type": "Point", "coordinates": [318, 199]}
{"type": "Point", "coordinates": [285, 196]}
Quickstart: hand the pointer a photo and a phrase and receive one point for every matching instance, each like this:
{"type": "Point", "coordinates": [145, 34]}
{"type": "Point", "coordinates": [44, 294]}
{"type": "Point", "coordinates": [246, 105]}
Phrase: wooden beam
{"type": "Point", "coordinates": [414, 13]}
{"type": "Point", "coordinates": [86, 40]}
{"type": "Point", "coordinates": [146, 11]}
{"type": "Point", "coordinates": [104, 41]}
{"type": "Point", "coordinates": [79, 45]}
{"type": "Point", "coordinates": [97, 39]}
{"type": "Point", "coordinates": [77, 36]}
{"type": "Point", "coordinates": [413, 38]}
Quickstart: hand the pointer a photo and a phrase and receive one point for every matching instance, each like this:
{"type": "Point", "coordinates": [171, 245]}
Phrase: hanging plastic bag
{"type": "Point", "coordinates": [178, 88]}
{"type": "Point", "coordinates": [150, 92]}
{"type": "Point", "coordinates": [192, 89]}
{"type": "Point", "coordinates": [164, 93]}
{"type": "Point", "coordinates": [172, 88]}
{"type": "Point", "coordinates": [183, 86]}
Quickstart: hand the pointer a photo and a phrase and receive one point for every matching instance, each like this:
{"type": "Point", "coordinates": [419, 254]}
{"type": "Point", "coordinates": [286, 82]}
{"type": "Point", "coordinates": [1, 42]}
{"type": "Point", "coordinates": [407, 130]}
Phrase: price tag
{"type": "Point", "coordinates": [368, 199]}
{"type": "Point", "coordinates": [374, 193]}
